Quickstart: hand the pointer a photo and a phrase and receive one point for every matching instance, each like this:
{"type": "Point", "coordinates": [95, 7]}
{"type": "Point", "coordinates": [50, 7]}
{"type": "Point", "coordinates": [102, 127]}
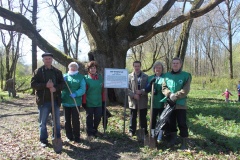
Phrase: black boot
{"type": "Point", "coordinates": [173, 137]}
{"type": "Point", "coordinates": [184, 143]}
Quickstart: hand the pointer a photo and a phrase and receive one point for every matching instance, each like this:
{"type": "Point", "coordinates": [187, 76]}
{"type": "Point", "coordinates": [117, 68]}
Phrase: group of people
{"type": "Point", "coordinates": [72, 89]}
{"type": "Point", "coordinates": [173, 85]}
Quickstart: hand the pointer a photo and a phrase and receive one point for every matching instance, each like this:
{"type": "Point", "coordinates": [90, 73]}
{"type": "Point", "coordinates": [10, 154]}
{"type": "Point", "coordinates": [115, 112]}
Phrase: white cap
{"type": "Point", "coordinates": [73, 63]}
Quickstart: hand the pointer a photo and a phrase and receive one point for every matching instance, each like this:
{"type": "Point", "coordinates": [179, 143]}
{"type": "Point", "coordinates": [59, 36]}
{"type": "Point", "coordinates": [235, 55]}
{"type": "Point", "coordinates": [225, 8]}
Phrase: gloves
{"type": "Point", "coordinates": [84, 106]}
{"type": "Point", "coordinates": [170, 102]}
{"type": "Point", "coordinates": [65, 78]}
{"type": "Point", "coordinates": [73, 95]}
{"type": "Point", "coordinates": [152, 80]}
{"type": "Point", "coordinates": [173, 97]}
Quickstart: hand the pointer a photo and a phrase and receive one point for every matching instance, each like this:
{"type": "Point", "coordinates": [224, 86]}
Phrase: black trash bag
{"type": "Point", "coordinates": [163, 119]}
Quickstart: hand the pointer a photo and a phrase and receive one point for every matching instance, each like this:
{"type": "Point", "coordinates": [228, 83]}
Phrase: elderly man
{"type": "Point", "coordinates": [176, 86]}
{"type": "Point", "coordinates": [45, 80]}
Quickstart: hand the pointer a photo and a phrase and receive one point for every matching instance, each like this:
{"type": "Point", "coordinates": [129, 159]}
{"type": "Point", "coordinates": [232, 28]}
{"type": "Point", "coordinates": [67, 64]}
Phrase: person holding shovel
{"type": "Point", "coordinates": [175, 87]}
{"type": "Point", "coordinates": [93, 99]}
{"type": "Point", "coordinates": [158, 106]}
{"type": "Point", "coordinates": [76, 88]}
{"type": "Point", "coordinates": [47, 80]}
{"type": "Point", "coordinates": [138, 99]}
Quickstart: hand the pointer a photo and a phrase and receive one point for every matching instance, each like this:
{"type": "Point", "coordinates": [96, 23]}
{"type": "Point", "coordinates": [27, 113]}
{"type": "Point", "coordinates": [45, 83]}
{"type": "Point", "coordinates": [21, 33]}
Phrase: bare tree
{"type": "Point", "coordinates": [108, 27]}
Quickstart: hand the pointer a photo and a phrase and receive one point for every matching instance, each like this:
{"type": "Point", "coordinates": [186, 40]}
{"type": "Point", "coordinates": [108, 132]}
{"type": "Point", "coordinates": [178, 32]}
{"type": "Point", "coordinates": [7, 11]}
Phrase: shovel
{"type": "Point", "coordinates": [80, 117]}
{"type": "Point", "coordinates": [150, 140]}
{"type": "Point", "coordinates": [140, 132]}
{"type": "Point", "coordinates": [56, 142]}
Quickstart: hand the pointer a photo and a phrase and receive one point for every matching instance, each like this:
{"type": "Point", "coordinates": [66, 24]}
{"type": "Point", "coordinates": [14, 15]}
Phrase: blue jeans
{"type": "Point", "coordinates": [43, 113]}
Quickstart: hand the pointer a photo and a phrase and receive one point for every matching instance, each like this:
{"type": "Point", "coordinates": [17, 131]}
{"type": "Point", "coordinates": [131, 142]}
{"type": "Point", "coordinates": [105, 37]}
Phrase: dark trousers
{"type": "Point", "coordinates": [93, 118]}
{"type": "Point", "coordinates": [72, 123]}
{"type": "Point", "coordinates": [179, 116]}
{"type": "Point", "coordinates": [155, 115]}
{"type": "Point", "coordinates": [133, 120]}
{"type": "Point", "coordinates": [239, 98]}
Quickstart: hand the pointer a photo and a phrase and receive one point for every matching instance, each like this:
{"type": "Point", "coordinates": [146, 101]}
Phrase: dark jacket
{"type": "Point", "coordinates": [38, 82]}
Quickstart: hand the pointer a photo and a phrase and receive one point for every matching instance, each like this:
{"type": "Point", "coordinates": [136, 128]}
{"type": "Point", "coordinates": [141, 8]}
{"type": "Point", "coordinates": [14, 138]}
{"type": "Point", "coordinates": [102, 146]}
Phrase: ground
{"type": "Point", "coordinates": [19, 138]}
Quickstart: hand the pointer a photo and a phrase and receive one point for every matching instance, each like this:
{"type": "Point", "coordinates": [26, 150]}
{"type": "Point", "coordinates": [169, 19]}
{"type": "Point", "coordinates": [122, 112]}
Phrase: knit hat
{"type": "Point", "coordinates": [73, 63]}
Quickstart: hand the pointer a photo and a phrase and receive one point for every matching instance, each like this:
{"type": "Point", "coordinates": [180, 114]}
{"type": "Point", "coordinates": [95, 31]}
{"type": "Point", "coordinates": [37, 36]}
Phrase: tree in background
{"type": "Point", "coordinates": [108, 27]}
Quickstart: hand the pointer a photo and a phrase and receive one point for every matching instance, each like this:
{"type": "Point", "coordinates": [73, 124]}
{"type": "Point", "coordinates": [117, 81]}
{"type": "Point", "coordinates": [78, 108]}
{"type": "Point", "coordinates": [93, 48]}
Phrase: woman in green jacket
{"type": "Point", "coordinates": [94, 98]}
{"type": "Point", "coordinates": [77, 85]}
{"type": "Point", "coordinates": [157, 79]}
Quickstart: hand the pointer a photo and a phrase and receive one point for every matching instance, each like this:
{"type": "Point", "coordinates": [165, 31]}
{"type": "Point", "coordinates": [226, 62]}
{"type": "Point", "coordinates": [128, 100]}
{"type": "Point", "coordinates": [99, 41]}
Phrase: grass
{"type": "Point", "coordinates": [213, 132]}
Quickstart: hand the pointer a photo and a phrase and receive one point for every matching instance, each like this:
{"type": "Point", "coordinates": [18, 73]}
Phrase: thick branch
{"type": "Point", "coordinates": [192, 14]}
{"type": "Point", "coordinates": [84, 9]}
{"type": "Point", "coordinates": [23, 25]}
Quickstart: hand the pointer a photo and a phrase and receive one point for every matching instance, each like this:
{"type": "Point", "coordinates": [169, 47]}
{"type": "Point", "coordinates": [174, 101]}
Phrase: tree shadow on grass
{"type": "Point", "coordinates": [213, 142]}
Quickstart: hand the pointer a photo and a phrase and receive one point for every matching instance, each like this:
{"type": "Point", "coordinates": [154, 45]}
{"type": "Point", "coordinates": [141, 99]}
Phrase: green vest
{"type": "Point", "coordinates": [74, 83]}
{"type": "Point", "coordinates": [94, 91]}
{"type": "Point", "coordinates": [175, 82]}
{"type": "Point", "coordinates": [158, 89]}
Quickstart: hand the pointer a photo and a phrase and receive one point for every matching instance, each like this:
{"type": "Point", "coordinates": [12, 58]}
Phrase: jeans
{"type": "Point", "coordinates": [93, 118]}
{"type": "Point", "coordinates": [43, 113]}
{"type": "Point", "coordinates": [72, 123]}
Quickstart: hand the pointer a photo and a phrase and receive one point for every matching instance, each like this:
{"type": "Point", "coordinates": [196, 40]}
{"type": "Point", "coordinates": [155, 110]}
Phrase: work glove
{"type": "Point", "coordinates": [173, 97]}
{"type": "Point", "coordinates": [84, 105]}
{"type": "Point", "coordinates": [170, 102]}
{"type": "Point", "coordinates": [73, 95]}
{"type": "Point", "coordinates": [65, 78]}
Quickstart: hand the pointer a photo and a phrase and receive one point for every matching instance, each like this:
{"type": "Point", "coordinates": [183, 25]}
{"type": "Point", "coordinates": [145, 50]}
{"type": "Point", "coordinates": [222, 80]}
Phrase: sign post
{"type": "Point", "coordinates": [116, 78]}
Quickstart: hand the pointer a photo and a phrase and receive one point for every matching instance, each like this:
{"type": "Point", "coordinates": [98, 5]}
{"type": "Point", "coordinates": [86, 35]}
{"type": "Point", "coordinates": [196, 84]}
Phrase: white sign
{"type": "Point", "coordinates": [115, 78]}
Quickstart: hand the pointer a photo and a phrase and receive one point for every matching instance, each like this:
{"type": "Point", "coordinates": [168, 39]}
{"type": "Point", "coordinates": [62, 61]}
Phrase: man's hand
{"type": "Point", "coordinates": [65, 78]}
{"type": "Point", "coordinates": [136, 96]}
{"type": "Point", "coordinates": [173, 97]}
{"type": "Point", "coordinates": [170, 102]}
{"type": "Point", "coordinates": [139, 92]}
{"type": "Point", "coordinates": [49, 84]}
{"type": "Point", "coordinates": [53, 89]}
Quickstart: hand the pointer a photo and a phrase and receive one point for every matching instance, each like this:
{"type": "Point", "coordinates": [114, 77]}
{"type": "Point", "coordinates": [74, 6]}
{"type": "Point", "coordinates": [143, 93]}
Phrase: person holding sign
{"type": "Point", "coordinates": [137, 98]}
{"type": "Point", "coordinates": [93, 99]}
{"type": "Point", "coordinates": [158, 106]}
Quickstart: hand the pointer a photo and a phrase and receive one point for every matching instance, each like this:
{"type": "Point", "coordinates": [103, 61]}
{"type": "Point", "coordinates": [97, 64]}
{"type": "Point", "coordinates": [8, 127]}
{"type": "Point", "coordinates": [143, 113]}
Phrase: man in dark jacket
{"type": "Point", "coordinates": [45, 80]}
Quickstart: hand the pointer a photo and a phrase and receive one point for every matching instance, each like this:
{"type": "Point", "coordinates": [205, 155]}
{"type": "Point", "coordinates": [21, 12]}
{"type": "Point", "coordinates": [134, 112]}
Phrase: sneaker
{"type": "Point", "coordinates": [43, 145]}
{"type": "Point", "coordinates": [131, 134]}
{"type": "Point", "coordinates": [69, 139]}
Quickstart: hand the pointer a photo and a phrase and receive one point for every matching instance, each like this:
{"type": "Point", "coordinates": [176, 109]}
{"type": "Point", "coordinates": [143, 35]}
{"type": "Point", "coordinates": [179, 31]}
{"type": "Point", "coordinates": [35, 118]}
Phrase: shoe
{"type": "Point", "coordinates": [131, 134]}
{"type": "Point", "coordinates": [43, 145]}
{"type": "Point", "coordinates": [184, 144]}
{"type": "Point", "coordinates": [173, 138]}
{"type": "Point", "coordinates": [69, 139]}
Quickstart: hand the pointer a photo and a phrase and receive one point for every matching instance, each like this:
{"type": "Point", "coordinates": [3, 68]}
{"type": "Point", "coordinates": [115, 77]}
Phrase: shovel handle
{"type": "Point", "coordinates": [151, 109]}
{"type": "Point", "coordinates": [53, 115]}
